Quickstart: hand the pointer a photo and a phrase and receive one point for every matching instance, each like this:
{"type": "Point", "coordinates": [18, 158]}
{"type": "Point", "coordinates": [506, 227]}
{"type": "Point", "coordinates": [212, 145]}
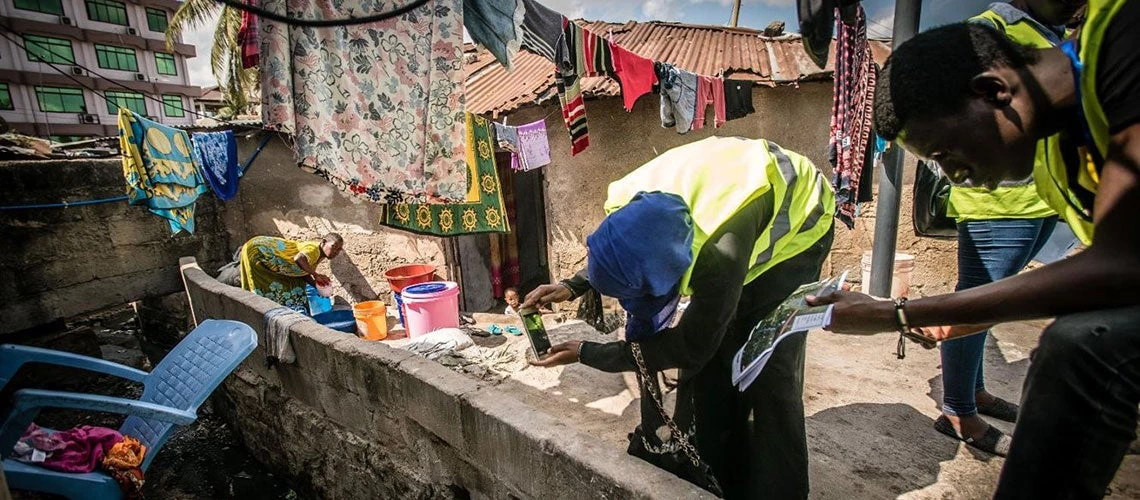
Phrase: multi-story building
{"type": "Point", "coordinates": [113, 53]}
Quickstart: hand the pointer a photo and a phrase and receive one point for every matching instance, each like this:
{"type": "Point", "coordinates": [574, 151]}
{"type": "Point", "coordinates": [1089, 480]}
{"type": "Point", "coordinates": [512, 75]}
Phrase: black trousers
{"type": "Point", "coordinates": [1078, 408]}
{"type": "Point", "coordinates": [755, 441]}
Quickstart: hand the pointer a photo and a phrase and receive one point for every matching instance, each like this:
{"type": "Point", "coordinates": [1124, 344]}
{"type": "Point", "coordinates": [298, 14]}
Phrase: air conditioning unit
{"type": "Point", "coordinates": [132, 31]}
{"type": "Point", "coordinates": [65, 20]}
{"type": "Point", "coordinates": [77, 71]}
{"type": "Point", "coordinates": [88, 118]}
{"type": "Point", "coordinates": [140, 77]}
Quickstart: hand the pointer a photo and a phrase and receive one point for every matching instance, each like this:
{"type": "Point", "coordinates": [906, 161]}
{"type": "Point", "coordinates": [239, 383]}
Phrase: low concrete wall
{"type": "Point", "coordinates": [359, 419]}
{"type": "Point", "coordinates": [61, 262]}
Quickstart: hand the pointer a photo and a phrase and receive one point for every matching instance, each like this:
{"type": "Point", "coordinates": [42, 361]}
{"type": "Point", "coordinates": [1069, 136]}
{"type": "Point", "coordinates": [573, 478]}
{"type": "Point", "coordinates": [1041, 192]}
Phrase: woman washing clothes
{"type": "Point", "coordinates": [737, 224]}
{"type": "Point", "coordinates": [278, 269]}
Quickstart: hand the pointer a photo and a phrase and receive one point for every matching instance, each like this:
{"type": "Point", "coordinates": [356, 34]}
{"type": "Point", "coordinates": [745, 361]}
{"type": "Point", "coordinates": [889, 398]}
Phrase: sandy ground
{"type": "Point", "coordinates": [869, 415]}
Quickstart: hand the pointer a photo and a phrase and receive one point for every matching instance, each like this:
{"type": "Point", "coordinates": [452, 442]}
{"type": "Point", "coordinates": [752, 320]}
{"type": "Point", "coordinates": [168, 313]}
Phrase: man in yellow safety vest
{"type": "Point", "coordinates": [978, 104]}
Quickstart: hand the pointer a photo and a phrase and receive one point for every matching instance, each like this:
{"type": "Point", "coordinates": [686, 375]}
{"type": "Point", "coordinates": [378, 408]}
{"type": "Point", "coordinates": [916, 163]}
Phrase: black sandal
{"type": "Point", "coordinates": [999, 409]}
{"type": "Point", "coordinates": [993, 441]}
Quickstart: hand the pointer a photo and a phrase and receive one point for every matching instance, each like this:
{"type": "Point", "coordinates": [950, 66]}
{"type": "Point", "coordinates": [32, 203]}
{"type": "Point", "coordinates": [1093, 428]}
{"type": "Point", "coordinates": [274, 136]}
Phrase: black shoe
{"type": "Point", "coordinates": [993, 441]}
{"type": "Point", "coordinates": [999, 409]}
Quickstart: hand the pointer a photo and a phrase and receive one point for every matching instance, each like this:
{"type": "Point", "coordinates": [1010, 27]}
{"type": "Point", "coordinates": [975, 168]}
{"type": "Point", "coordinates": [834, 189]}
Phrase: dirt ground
{"type": "Point", "coordinates": [869, 415]}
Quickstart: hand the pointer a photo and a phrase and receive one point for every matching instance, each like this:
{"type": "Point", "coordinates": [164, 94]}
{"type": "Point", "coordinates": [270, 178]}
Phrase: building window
{"type": "Point", "coordinates": [68, 138]}
{"type": "Point", "coordinates": [5, 97]}
{"type": "Point", "coordinates": [172, 106]}
{"type": "Point", "coordinates": [133, 101]}
{"type": "Point", "coordinates": [120, 58]}
{"type": "Point", "coordinates": [45, 6]}
{"type": "Point", "coordinates": [156, 19]}
{"type": "Point", "coordinates": [107, 11]}
{"type": "Point", "coordinates": [48, 49]}
{"type": "Point", "coordinates": [60, 100]}
{"type": "Point", "coordinates": [165, 63]}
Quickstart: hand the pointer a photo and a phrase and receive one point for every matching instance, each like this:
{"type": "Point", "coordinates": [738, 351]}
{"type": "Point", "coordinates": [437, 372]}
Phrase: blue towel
{"type": "Point", "coordinates": [638, 255]}
{"type": "Point", "coordinates": [215, 155]}
{"type": "Point", "coordinates": [496, 25]}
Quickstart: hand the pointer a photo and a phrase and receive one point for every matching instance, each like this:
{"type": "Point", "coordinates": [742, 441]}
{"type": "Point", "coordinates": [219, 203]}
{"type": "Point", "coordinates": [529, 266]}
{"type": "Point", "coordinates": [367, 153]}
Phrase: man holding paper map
{"type": "Point", "coordinates": [738, 225]}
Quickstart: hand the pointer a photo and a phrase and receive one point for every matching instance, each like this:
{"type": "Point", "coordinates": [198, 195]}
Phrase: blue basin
{"type": "Point", "coordinates": [340, 320]}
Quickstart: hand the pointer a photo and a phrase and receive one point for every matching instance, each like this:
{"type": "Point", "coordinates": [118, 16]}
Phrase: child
{"type": "Point", "coordinates": [512, 297]}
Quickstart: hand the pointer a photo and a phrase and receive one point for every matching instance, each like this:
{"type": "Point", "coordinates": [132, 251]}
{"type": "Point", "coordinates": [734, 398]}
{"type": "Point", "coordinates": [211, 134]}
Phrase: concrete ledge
{"type": "Point", "coordinates": [359, 419]}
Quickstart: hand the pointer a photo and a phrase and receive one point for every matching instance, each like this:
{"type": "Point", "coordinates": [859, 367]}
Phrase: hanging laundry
{"type": "Point", "coordinates": [710, 90]}
{"type": "Point", "coordinates": [247, 37]}
{"type": "Point", "coordinates": [76, 450]}
{"type": "Point", "coordinates": [482, 211]}
{"type": "Point", "coordinates": [678, 96]}
{"type": "Point", "coordinates": [215, 156]}
{"type": "Point", "coordinates": [496, 25]}
{"type": "Point", "coordinates": [159, 172]}
{"type": "Point", "coordinates": [597, 55]}
{"type": "Point", "coordinates": [854, 82]}
{"type": "Point", "coordinates": [375, 108]}
{"type": "Point", "coordinates": [542, 34]}
{"type": "Point", "coordinates": [737, 99]}
{"type": "Point", "coordinates": [569, 85]}
{"type": "Point", "coordinates": [507, 137]}
{"type": "Point", "coordinates": [634, 73]}
{"type": "Point", "coordinates": [278, 346]}
{"type": "Point", "coordinates": [534, 146]}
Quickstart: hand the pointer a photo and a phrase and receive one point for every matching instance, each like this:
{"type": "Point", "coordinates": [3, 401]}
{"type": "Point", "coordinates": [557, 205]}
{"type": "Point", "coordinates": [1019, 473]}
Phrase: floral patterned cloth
{"type": "Point", "coordinates": [268, 269]}
{"type": "Point", "coordinates": [376, 108]}
{"type": "Point", "coordinates": [482, 211]}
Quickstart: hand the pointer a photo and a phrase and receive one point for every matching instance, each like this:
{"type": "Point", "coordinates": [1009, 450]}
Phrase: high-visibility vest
{"type": "Point", "coordinates": [718, 176]}
{"type": "Point", "coordinates": [1012, 199]}
{"type": "Point", "coordinates": [1098, 18]}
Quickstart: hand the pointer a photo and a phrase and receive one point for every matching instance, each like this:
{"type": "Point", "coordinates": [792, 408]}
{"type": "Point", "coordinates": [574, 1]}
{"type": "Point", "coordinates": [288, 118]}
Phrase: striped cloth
{"type": "Point", "coordinates": [854, 81]}
{"type": "Point", "coordinates": [569, 84]}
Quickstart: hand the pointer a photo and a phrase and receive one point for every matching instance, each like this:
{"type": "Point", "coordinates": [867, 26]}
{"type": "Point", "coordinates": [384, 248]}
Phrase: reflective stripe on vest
{"type": "Point", "coordinates": [718, 176]}
{"type": "Point", "coordinates": [1013, 199]}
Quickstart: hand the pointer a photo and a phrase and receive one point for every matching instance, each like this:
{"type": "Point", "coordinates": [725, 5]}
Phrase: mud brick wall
{"type": "Point", "coordinates": [61, 262]}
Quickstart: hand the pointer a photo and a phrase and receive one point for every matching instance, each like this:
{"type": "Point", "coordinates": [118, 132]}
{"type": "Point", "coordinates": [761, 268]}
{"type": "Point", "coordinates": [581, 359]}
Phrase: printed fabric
{"type": "Point", "coordinates": [377, 108]}
{"type": "Point", "coordinates": [569, 85]}
{"type": "Point", "coordinates": [159, 172]}
{"type": "Point", "coordinates": [737, 99]}
{"type": "Point", "coordinates": [542, 34]}
{"type": "Point", "coordinates": [854, 81]}
{"type": "Point", "coordinates": [534, 146]}
{"type": "Point", "coordinates": [496, 25]}
{"type": "Point", "coordinates": [483, 209]}
{"type": "Point", "coordinates": [597, 56]}
{"type": "Point", "coordinates": [507, 137]}
{"type": "Point", "coordinates": [124, 464]}
{"type": "Point", "coordinates": [678, 96]}
{"type": "Point", "coordinates": [268, 269]}
{"type": "Point", "coordinates": [710, 90]}
{"type": "Point", "coordinates": [215, 155]}
{"type": "Point", "coordinates": [77, 450]}
{"type": "Point", "coordinates": [247, 37]}
{"type": "Point", "coordinates": [635, 73]}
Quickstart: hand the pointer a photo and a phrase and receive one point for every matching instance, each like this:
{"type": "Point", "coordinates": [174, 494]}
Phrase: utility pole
{"type": "Point", "coordinates": [890, 183]}
{"type": "Point", "coordinates": [735, 13]}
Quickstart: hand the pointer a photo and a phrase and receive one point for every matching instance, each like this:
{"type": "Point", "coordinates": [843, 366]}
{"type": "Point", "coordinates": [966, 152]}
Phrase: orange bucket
{"type": "Point", "coordinates": [371, 320]}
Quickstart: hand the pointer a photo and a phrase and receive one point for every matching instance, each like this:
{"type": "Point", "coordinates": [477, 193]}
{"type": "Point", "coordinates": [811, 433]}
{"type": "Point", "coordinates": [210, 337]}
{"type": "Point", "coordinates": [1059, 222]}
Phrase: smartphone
{"type": "Point", "coordinates": [535, 331]}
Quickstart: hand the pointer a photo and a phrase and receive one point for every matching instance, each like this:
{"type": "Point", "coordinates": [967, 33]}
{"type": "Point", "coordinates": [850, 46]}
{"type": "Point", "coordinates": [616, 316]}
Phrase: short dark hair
{"type": "Point", "coordinates": [333, 238]}
{"type": "Point", "coordinates": [930, 74]}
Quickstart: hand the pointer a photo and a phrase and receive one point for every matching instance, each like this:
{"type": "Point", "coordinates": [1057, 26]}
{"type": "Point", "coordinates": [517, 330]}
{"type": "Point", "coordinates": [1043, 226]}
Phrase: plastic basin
{"type": "Point", "coordinates": [339, 320]}
{"type": "Point", "coordinates": [402, 277]}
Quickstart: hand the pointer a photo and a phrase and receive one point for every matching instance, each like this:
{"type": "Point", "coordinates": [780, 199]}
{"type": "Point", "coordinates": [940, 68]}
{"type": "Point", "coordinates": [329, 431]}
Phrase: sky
{"type": "Point", "coordinates": [753, 14]}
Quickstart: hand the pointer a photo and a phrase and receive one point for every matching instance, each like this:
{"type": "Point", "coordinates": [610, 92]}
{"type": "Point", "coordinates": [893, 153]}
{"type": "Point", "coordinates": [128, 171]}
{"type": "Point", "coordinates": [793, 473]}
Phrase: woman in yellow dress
{"type": "Point", "coordinates": [278, 269]}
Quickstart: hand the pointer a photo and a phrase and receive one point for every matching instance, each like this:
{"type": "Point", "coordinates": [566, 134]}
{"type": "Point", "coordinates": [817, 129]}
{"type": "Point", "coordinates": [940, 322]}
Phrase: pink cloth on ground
{"type": "Point", "coordinates": [77, 450]}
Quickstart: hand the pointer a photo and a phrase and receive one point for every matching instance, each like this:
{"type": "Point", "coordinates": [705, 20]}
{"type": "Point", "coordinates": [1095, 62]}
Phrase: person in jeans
{"type": "Point", "coordinates": [999, 231]}
{"type": "Point", "coordinates": [982, 106]}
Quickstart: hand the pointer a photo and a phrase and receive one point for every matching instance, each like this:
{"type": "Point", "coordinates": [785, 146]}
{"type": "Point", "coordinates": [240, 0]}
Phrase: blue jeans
{"type": "Point", "coordinates": [987, 251]}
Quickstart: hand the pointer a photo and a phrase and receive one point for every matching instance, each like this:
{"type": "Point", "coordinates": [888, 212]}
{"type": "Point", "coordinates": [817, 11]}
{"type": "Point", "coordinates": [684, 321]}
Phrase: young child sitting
{"type": "Point", "coordinates": [512, 297]}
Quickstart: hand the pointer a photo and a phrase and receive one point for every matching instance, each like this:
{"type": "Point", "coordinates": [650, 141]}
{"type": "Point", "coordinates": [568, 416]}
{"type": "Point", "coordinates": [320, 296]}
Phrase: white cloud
{"type": "Point", "coordinates": [202, 38]}
{"type": "Point", "coordinates": [721, 2]}
{"type": "Point", "coordinates": [661, 10]}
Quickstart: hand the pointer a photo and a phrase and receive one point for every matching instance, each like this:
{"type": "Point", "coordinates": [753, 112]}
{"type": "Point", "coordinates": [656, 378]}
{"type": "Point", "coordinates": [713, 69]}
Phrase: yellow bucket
{"type": "Point", "coordinates": [371, 320]}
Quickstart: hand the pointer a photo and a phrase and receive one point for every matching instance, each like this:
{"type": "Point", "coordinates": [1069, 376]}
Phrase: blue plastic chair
{"type": "Point", "coordinates": [171, 396]}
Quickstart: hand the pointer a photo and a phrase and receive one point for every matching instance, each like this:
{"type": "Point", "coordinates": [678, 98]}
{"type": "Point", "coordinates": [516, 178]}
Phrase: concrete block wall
{"type": "Point", "coordinates": [359, 419]}
{"type": "Point", "coordinates": [61, 262]}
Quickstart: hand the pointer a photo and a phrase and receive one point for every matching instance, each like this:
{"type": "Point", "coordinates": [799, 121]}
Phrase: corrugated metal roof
{"type": "Point", "coordinates": [708, 50]}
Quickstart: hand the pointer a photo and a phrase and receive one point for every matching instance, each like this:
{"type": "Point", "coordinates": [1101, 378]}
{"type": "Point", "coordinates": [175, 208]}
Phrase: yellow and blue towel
{"type": "Point", "coordinates": [158, 169]}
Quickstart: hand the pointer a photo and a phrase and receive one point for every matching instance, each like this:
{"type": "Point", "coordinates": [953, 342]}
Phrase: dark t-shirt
{"type": "Point", "coordinates": [1118, 69]}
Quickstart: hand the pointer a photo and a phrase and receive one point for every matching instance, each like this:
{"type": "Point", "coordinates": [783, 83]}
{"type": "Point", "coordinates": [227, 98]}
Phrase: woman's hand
{"type": "Point", "coordinates": [562, 354]}
{"type": "Point", "coordinates": [858, 314]}
{"type": "Point", "coordinates": [321, 280]}
{"type": "Point", "coordinates": [547, 294]}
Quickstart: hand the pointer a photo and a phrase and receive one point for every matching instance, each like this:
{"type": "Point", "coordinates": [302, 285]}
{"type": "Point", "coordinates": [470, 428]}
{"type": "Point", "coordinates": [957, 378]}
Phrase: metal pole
{"type": "Point", "coordinates": [890, 182]}
{"type": "Point", "coordinates": [735, 13]}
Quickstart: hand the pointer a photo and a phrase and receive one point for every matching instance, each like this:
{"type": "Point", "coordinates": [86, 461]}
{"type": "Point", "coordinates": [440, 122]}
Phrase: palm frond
{"type": "Point", "coordinates": [190, 15]}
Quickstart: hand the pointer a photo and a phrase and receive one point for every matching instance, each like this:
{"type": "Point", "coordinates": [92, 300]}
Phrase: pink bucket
{"type": "Point", "coordinates": [430, 306]}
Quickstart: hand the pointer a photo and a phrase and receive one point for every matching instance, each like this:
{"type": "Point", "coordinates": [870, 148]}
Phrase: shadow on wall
{"type": "Point", "coordinates": [354, 282]}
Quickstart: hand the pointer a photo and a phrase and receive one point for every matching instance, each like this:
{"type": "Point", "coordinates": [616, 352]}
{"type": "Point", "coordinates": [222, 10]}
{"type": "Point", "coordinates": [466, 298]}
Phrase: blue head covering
{"type": "Point", "coordinates": [639, 254]}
